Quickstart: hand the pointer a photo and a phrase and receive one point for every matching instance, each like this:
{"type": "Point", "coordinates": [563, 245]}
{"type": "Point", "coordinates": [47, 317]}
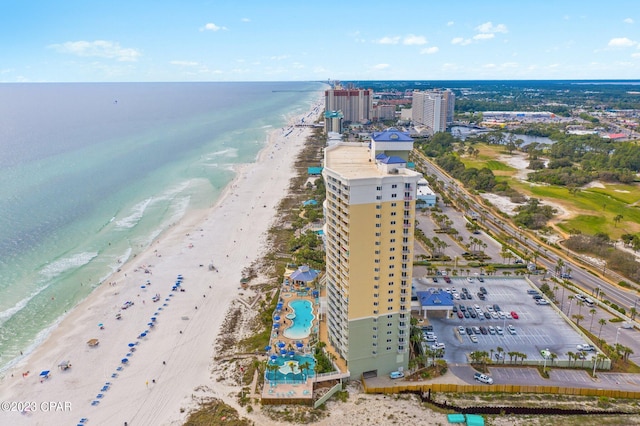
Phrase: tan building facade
{"type": "Point", "coordinates": [369, 233]}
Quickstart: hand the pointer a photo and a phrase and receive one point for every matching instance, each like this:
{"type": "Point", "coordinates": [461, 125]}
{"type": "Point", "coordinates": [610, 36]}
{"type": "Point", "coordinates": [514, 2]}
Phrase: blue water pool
{"type": "Point", "coordinates": [302, 321]}
{"type": "Point", "coordinates": [290, 368]}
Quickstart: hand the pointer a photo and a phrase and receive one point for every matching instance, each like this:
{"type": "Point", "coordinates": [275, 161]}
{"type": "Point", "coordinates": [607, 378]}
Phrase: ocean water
{"type": "Point", "coordinates": [91, 174]}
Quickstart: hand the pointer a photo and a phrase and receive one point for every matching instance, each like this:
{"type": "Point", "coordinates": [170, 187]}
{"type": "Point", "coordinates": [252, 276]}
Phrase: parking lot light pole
{"type": "Point", "coordinates": [617, 333]}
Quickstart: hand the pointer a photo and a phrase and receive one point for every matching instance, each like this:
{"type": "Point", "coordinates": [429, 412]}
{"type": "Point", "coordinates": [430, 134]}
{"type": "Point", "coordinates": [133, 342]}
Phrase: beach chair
{"type": "Point", "coordinates": [100, 396]}
{"type": "Point", "coordinates": [95, 402]}
{"type": "Point", "coordinates": [114, 375]}
{"type": "Point", "coordinates": [83, 420]}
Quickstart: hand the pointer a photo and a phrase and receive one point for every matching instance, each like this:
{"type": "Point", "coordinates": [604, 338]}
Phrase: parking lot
{"type": "Point", "coordinates": [537, 328]}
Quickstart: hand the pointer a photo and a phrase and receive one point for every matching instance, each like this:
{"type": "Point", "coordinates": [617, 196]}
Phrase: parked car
{"type": "Point", "coordinates": [472, 313]}
{"type": "Point", "coordinates": [483, 329]}
{"type": "Point", "coordinates": [514, 315]}
{"type": "Point", "coordinates": [496, 307]}
{"type": "Point", "coordinates": [499, 330]}
{"type": "Point", "coordinates": [483, 290]}
{"type": "Point", "coordinates": [447, 279]}
{"type": "Point", "coordinates": [511, 329]}
{"type": "Point", "coordinates": [437, 346]}
{"type": "Point", "coordinates": [532, 291]}
{"type": "Point", "coordinates": [460, 315]}
{"type": "Point", "coordinates": [585, 347]}
{"type": "Point", "coordinates": [481, 279]}
{"type": "Point", "coordinates": [476, 329]}
{"type": "Point", "coordinates": [483, 378]}
{"type": "Point", "coordinates": [474, 339]}
{"type": "Point", "coordinates": [435, 280]}
{"type": "Point", "coordinates": [466, 314]}
{"type": "Point", "coordinates": [487, 315]}
{"type": "Point", "coordinates": [469, 330]}
{"type": "Point", "coordinates": [396, 374]}
{"type": "Point", "coordinates": [542, 302]}
{"type": "Point", "coordinates": [461, 330]}
{"type": "Point", "coordinates": [481, 296]}
{"type": "Point", "coordinates": [492, 330]}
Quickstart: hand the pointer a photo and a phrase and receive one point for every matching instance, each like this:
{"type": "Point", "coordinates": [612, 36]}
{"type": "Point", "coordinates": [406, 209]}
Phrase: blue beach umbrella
{"type": "Point", "coordinates": [283, 352]}
{"type": "Point", "coordinates": [299, 344]}
{"type": "Point", "coordinates": [153, 319]}
{"type": "Point", "coordinates": [291, 353]}
{"type": "Point", "coordinates": [277, 318]}
{"type": "Point", "coordinates": [281, 345]}
{"type": "Point", "coordinates": [276, 325]}
{"type": "Point", "coordinates": [273, 357]}
{"type": "Point", "coordinates": [131, 345]}
{"type": "Point", "coordinates": [267, 348]}
{"type": "Point", "coordinates": [124, 360]}
{"type": "Point", "coordinates": [143, 286]}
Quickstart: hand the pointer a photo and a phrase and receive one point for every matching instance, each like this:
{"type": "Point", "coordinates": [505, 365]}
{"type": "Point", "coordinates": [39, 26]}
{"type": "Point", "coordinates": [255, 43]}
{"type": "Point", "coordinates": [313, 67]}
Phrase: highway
{"type": "Point", "coordinates": [583, 277]}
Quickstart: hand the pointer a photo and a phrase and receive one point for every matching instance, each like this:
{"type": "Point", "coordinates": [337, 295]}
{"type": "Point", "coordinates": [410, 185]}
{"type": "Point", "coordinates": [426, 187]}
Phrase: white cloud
{"type": "Point", "coordinates": [461, 41]}
{"type": "Point", "coordinates": [98, 48]}
{"type": "Point", "coordinates": [488, 27]}
{"type": "Point", "coordinates": [389, 40]}
{"type": "Point", "coordinates": [279, 57]}
{"type": "Point", "coordinates": [621, 42]}
{"type": "Point", "coordinates": [628, 21]}
{"type": "Point", "coordinates": [245, 20]}
{"type": "Point", "coordinates": [450, 24]}
{"type": "Point", "coordinates": [429, 50]}
{"type": "Point", "coordinates": [210, 26]}
{"type": "Point", "coordinates": [483, 36]}
{"type": "Point", "coordinates": [635, 55]}
{"type": "Point", "coordinates": [381, 66]}
{"type": "Point", "coordinates": [412, 40]}
{"type": "Point", "coordinates": [184, 63]}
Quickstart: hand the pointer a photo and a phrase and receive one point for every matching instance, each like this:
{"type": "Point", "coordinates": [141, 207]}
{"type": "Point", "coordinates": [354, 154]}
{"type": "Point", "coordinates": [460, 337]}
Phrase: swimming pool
{"type": "Point", "coordinates": [289, 368]}
{"type": "Point", "coordinates": [302, 319]}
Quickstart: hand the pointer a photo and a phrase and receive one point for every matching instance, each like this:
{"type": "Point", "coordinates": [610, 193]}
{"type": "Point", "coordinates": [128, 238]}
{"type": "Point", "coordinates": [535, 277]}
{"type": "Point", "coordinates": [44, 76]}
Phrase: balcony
{"type": "Point", "coordinates": [406, 225]}
{"type": "Point", "coordinates": [408, 198]}
{"type": "Point", "coordinates": [403, 326]}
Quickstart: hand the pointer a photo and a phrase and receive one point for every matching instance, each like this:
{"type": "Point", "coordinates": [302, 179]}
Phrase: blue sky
{"type": "Point", "coordinates": [282, 40]}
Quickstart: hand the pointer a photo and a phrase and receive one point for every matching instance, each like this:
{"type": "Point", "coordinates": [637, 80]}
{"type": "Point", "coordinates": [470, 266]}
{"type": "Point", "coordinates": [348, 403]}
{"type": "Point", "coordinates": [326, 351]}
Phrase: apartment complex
{"type": "Point", "coordinates": [369, 234]}
{"type": "Point", "coordinates": [433, 109]}
{"type": "Point", "coordinates": [356, 105]}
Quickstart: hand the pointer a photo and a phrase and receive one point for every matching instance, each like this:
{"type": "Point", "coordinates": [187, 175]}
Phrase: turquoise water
{"type": "Point", "coordinates": [289, 371]}
{"type": "Point", "coordinates": [92, 174]}
{"type": "Point", "coordinates": [303, 320]}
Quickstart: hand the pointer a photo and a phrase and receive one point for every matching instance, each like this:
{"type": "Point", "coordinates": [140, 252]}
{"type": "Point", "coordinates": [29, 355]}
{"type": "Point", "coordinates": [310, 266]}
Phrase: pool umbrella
{"type": "Point", "coordinates": [299, 344]}
{"type": "Point", "coordinates": [291, 353]}
{"type": "Point", "coordinates": [267, 348]}
{"type": "Point", "coordinates": [276, 325]}
{"type": "Point", "coordinates": [277, 318]}
{"type": "Point", "coordinates": [273, 357]}
{"type": "Point", "coordinates": [283, 352]}
{"type": "Point", "coordinates": [281, 345]}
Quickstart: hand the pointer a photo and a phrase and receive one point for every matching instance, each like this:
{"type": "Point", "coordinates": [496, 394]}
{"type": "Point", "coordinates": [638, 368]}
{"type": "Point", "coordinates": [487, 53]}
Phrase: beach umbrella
{"type": "Point", "coordinates": [129, 354]}
{"type": "Point", "coordinates": [277, 318]}
{"type": "Point", "coordinates": [101, 325]}
{"type": "Point", "coordinates": [299, 344]}
{"type": "Point", "coordinates": [131, 345]}
{"type": "Point", "coordinates": [291, 353]}
{"type": "Point", "coordinates": [276, 325]}
{"type": "Point", "coordinates": [267, 348]}
{"type": "Point", "coordinates": [143, 286]}
{"type": "Point", "coordinates": [153, 319]}
{"type": "Point", "coordinates": [124, 360]}
{"type": "Point", "coordinates": [283, 352]}
{"type": "Point", "coordinates": [150, 324]}
{"type": "Point", "coordinates": [44, 373]}
{"type": "Point", "coordinates": [281, 345]}
{"type": "Point", "coordinates": [273, 357]}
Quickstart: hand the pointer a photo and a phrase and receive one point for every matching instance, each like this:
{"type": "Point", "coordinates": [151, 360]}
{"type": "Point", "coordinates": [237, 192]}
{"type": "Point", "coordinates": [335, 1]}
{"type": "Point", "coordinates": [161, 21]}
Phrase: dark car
{"type": "Point", "coordinates": [469, 296]}
{"type": "Point", "coordinates": [483, 329]}
{"type": "Point", "coordinates": [465, 290]}
{"type": "Point", "coordinates": [435, 280]}
{"type": "Point", "coordinates": [455, 308]}
{"type": "Point", "coordinates": [487, 315]}
{"type": "Point", "coordinates": [472, 313]}
{"type": "Point", "coordinates": [463, 296]}
{"type": "Point", "coordinates": [427, 328]}
{"type": "Point", "coordinates": [537, 296]}
{"type": "Point", "coordinates": [469, 331]}
{"type": "Point", "coordinates": [481, 279]}
{"type": "Point", "coordinates": [496, 308]}
{"type": "Point", "coordinates": [466, 314]}
{"type": "Point", "coordinates": [483, 290]}
{"type": "Point", "coordinates": [447, 279]}
{"type": "Point", "coordinates": [463, 308]}
{"type": "Point", "coordinates": [481, 296]}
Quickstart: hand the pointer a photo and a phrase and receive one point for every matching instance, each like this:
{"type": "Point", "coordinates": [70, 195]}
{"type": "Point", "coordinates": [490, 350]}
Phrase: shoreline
{"type": "Point", "coordinates": [176, 355]}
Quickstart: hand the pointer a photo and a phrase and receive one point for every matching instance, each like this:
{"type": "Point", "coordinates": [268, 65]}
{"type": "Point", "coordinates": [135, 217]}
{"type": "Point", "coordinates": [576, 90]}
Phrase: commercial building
{"type": "Point", "coordinates": [369, 239]}
{"type": "Point", "coordinates": [433, 109]}
{"type": "Point", "coordinates": [356, 105]}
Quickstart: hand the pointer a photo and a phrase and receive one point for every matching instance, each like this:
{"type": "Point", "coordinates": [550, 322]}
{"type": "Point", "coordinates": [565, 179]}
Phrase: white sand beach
{"type": "Point", "coordinates": [175, 356]}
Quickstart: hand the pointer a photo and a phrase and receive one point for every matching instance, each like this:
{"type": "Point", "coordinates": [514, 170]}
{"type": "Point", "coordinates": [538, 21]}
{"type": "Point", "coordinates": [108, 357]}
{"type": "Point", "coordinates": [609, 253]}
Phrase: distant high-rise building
{"type": "Point", "coordinates": [333, 121]}
{"type": "Point", "coordinates": [369, 234]}
{"type": "Point", "coordinates": [384, 112]}
{"type": "Point", "coordinates": [433, 109]}
{"type": "Point", "coordinates": [356, 104]}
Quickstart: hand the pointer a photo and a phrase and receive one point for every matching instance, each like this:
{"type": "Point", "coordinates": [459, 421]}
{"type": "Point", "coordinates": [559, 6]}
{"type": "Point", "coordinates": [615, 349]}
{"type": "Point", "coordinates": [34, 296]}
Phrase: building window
{"type": "Point", "coordinates": [377, 216]}
{"type": "Point", "coordinates": [394, 186]}
{"type": "Point", "coordinates": [390, 300]}
{"type": "Point", "coordinates": [393, 195]}
{"type": "Point", "coordinates": [393, 204]}
{"type": "Point", "coordinates": [377, 252]}
{"type": "Point", "coordinates": [388, 348]}
{"type": "Point", "coordinates": [378, 188]}
{"type": "Point", "coordinates": [375, 303]}
{"type": "Point", "coordinates": [393, 213]}
{"type": "Point", "coordinates": [377, 234]}
{"type": "Point", "coordinates": [392, 240]}
{"type": "Point", "coordinates": [388, 332]}
{"type": "Point", "coordinates": [392, 249]}
{"type": "Point", "coordinates": [391, 266]}
{"type": "Point", "coordinates": [378, 197]}
{"type": "Point", "coordinates": [391, 275]}
{"type": "Point", "coordinates": [378, 225]}
{"type": "Point", "coordinates": [378, 206]}
{"type": "Point", "coordinates": [390, 291]}
{"type": "Point", "coordinates": [392, 258]}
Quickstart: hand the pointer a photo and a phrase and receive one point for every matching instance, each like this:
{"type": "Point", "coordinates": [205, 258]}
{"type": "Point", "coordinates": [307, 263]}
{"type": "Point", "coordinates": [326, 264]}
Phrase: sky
{"type": "Point", "coordinates": [283, 40]}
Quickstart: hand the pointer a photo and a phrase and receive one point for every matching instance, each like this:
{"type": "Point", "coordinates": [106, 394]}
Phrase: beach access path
{"type": "Point", "coordinates": [176, 355]}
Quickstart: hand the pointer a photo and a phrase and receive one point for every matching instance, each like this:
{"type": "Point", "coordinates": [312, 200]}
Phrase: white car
{"type": "Point", "coordinates": [461, 330]}
{"type": "Point", "coordinates": [474, 339]}
{"type": "Point", "coordinates": [508, 315]}
{"type": "Point", "coordinates": [437, 346]}
{"type": "Point", "coordinates": [492, 330]}
{"type": "Point", "coordinates": [499, 330]}
{"type": "Point", "coordinates": [511, 329]}
{"type": "Point", "coordinates": [483, 378]}
{"type": "Point", "coordinates": [586, 348]}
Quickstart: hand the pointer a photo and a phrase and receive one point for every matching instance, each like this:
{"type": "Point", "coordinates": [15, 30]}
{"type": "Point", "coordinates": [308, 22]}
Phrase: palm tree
{"type": "Point", "coordinates": [511, 355]}
{"type": "Point", "coordinates": [303, 367]}
{"type": "Point", "coordinates": [273, 368]}
{"type": "Point", "coordinates": [522, 358]}
{"type": "Point", "coordinates": [602, 322]}
{"type": "Point", "coordinates": [592, 311]}
{"type": "Point", "coordinates": [617, 219]}
{"type": "Point", "coordinates": [577, 317]}
{"type": "Point", "coordinates": [553, 357]}
{"type": "Point", "coordinates": [570, 355]}
{"type": "Point", "coordinates": [500, 350]}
